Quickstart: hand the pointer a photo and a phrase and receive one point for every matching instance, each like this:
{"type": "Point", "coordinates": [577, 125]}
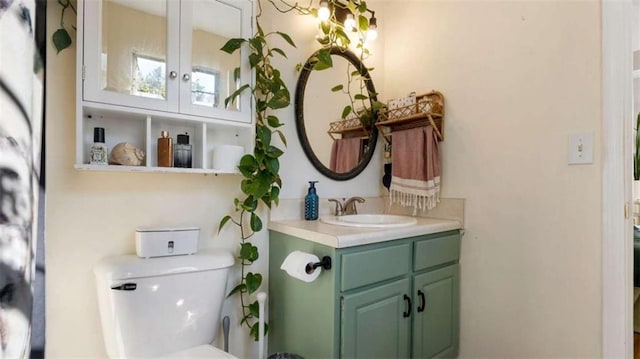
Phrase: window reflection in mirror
{"type": "Point", "coordinates": [205, 87]}
{"type": "Point", "coordinates": [148, 77]}
{"type": "Point", "coordinates": [134, 40]}
{"type": "Point", "coordinates": [207, 38]}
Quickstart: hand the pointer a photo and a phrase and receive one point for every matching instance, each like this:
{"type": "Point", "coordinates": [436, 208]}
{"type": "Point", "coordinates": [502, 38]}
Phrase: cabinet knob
{"type": "Point", "coordinates": [186, 77]}
{"type": "Point", "coordinates": [173, 74]}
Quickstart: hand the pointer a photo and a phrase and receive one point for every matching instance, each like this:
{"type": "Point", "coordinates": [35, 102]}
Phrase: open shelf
{"type": "Point", "coordinates": [427, 111]}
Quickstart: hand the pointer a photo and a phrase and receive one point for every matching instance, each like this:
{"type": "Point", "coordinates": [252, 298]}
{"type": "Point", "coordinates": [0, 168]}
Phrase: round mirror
{"type": "Point", "coordinates": [335, 116]}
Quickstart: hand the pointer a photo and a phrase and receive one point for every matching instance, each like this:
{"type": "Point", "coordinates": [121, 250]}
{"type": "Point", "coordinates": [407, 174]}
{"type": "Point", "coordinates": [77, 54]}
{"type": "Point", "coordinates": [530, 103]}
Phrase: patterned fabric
{"type": "Point", "coordinates": [20, 134]}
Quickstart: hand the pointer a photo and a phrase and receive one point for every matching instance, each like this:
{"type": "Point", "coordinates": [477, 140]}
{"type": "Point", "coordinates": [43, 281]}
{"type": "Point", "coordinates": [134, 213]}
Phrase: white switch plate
{"type": "Point", "coordinates": [580, 148]}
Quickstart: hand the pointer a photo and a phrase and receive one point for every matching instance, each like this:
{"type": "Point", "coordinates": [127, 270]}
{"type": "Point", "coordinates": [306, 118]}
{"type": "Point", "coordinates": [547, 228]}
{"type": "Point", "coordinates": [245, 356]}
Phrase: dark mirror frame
{"type": "Point", "coordinates": [306, 71]}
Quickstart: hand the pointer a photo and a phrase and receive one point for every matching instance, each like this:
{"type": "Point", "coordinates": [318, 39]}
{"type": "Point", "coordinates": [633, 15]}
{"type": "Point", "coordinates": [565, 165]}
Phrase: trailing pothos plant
{"type": "Point", "coordinates": [260, 169]}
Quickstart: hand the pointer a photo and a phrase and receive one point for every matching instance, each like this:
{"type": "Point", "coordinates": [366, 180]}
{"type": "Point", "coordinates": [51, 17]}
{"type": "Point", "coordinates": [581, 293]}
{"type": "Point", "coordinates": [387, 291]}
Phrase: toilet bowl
{"type": "Point", "coordinates": [162, 307]}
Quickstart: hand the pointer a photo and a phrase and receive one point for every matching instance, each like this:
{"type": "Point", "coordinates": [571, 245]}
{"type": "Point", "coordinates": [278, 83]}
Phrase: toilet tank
{"type": "Point", "coordinates": [149, 307]}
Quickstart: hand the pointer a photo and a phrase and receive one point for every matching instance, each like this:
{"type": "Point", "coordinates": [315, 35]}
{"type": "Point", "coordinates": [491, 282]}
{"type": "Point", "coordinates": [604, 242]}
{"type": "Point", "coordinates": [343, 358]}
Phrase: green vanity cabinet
{"type": "Point", "coordinates": [394, 299]}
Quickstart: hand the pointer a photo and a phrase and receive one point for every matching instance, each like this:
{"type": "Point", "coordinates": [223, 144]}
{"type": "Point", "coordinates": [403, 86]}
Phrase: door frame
{"type": "Point", "coordinates": [617, 147]}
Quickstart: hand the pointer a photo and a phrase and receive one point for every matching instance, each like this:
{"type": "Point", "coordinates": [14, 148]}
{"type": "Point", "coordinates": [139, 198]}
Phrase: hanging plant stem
{"type": "Point", "coordinates": [261, 181]}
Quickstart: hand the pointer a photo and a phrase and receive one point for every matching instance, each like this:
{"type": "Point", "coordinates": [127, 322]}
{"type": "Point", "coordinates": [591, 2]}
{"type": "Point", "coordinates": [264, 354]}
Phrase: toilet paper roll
{"type": "Point", "coordinates": [227, 157]}
{"type": "Point", "coordinates": [295, 265]}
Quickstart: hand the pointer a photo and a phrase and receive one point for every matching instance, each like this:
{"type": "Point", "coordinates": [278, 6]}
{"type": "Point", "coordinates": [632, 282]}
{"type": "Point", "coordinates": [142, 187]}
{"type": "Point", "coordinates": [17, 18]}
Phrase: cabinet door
{"type": "Point", "coordinates": [130, 53]}
{"type": "Point", "coordinates": [435, 325]}
{"type": "Point", "coordinates": [208, 75]}
{"type": "Point", "coordinates": [376, 322]}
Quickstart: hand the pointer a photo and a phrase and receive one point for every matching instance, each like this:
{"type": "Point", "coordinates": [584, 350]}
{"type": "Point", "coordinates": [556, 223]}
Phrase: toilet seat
{"type": "Point", "coordinates": [201, 351]}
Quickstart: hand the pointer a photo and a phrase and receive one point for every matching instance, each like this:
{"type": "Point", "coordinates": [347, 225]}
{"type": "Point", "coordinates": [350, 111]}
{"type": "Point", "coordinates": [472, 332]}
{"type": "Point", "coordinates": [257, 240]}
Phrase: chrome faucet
{"type": "Point", "coordinates": [347, 206]}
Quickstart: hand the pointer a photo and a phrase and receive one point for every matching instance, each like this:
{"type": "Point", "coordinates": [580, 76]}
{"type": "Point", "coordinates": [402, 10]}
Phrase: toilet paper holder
{"type": "Point", "coordinates": [325, 263]}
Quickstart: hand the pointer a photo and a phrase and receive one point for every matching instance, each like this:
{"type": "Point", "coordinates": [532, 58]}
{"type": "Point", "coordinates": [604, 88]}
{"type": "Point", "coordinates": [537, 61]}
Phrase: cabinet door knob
{"type": "Point", "coordinates": [422, 301]}
{"type": "Point", "coordinates": [173, 74]}
{"type": "Point", "coordinates": [186, 77]}
{"type": "Point", "coordinates": [408, 301]}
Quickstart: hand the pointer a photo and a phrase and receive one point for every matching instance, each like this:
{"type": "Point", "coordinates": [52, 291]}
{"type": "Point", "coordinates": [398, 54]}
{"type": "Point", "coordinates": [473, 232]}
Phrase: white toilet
{"type": "Point", "coordinates": [162, 307]}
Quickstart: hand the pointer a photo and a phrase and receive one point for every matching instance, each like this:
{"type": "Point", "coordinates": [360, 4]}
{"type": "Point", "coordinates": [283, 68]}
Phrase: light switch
{"type": "Point", "coordinates": [580, 148]}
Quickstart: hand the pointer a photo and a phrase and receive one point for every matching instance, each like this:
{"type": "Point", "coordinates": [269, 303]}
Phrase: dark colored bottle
{"type": "Point", "coordinates": [182, 152]}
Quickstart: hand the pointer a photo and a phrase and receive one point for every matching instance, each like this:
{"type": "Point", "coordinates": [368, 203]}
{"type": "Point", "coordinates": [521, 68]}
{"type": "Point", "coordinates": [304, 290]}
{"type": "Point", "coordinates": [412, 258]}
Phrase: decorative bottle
{"type": "Point", "coordinates": [311, 203]}
{"type": "Point", "coordinates": [165, 150]}
{"type": "Point", "coordinates": [182, 152]}
{"type": "Point", "coordinates": [98, 151]}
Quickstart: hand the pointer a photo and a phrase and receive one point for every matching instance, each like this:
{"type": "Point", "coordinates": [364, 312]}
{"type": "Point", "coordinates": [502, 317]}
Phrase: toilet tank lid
{"type": "Point", "coordinates": [132, 266]}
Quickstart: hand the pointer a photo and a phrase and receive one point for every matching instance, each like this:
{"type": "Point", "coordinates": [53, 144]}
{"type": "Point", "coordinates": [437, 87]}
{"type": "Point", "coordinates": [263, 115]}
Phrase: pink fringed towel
{"type": "Point", "coordinates": [345, 154]}
{"type": "Point", "coordinates": [415, 174]}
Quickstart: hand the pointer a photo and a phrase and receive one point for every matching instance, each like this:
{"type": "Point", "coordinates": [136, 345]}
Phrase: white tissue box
{"type": "Point", "coordinates": [160, 242]}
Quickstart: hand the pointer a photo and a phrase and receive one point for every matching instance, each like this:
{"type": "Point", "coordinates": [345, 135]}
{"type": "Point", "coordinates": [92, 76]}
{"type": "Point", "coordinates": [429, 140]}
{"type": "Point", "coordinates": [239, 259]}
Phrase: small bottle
{"type": "Point", "coordinates": [182, 152]}
{"type": "Point", "coordinates": [165, 150]}
{"type": "Point", "coordinates": [98, 151]}
{"type": "Point", "coordinates": [311, 203]}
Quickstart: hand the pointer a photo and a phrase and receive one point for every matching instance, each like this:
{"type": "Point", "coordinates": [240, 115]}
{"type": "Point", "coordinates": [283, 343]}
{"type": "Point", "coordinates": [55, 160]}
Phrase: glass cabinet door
{"type": "Point", "coordinates": [130, 53]}
{"type": "Point", "coordinates": [208, 75]}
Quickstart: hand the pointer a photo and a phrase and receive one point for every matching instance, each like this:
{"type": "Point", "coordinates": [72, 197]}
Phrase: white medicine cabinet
{"type": "Point", "coordinates": [146, 66]}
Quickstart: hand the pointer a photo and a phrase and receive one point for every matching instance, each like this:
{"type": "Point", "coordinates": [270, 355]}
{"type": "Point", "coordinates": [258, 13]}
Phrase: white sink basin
{"type": "Point", "coordinates": [370, 220]}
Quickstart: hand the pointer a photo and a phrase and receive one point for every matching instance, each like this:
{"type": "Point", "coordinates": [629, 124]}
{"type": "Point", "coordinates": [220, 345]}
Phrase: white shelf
{"type": "Point", "coordinates": [104, 97]}
{"type": "Point", "coordinates": [115, 168]}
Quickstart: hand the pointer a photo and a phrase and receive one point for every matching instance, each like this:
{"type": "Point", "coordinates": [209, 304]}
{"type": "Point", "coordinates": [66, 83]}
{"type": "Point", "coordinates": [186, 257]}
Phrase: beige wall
{"type": "Point", "coordinates": [518, 78]}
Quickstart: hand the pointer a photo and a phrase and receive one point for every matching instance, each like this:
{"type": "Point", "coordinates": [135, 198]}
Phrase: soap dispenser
{"type": "Point", "coordinates": [311, 203]}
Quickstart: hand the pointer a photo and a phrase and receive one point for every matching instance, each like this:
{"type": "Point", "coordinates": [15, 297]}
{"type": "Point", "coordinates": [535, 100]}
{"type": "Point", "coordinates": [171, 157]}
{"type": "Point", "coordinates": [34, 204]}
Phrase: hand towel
{"type": "Point", "coordinates": [345, 154]}
{"type": "Point", "coordinates": [415, 177]}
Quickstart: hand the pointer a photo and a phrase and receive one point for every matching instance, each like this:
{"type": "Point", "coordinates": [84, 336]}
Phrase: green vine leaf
{"type": "Point", "coordinates": [280, 99]}
{"type": "Point", "coordinates": [286, 38]}
{"type": "Point", "coordinates": [279, 51]}
{"type": "Point", "coordinates": [264, 135]}
{"type": "Point", "coordinates": [250, 204]}
{"type": "Point", "coordinates": [224, 220]}
{"type": "Point", "coordinates": [273, 152]}
{"type": "Point", "coordinates": [363, 23]}
{"type": "Point", "coordinates": [237, 289]}
{"type": "Point", "coordinates": [363, 7]}
{"type": "Point", "coordinates": [232, 45]}
{"type": "Point", "coordinates": [235, 94]}
{"type": "Point", "coordinates": [274, 122]}
{"type": "Point", "coordinates": [61, 39]}
{"type": "Point", "coordinates": [254, 309]}
{"type": "Point", "coordinates": [324, 60]}
{"type": "Point", "coordinates": [256, 223]}
{"type": "Point", "coordinates": [255, 333]}
{"type": "Point", "coordinates": [248, 252]}
{"type": "Point", "coordinates": [253, 280]}
{"type": "Point", "coordinates": [337, 88]}
{"type": "Point", "coordinates": [282, 138]}
{"type": "Point", "coordinates": [272, 165]}
{"type": "Point", "coordinates": [346, 111]}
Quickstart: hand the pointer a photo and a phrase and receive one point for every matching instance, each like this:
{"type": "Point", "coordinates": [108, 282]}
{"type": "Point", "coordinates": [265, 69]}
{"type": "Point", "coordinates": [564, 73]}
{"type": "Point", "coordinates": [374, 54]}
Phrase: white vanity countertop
{"type": "Point", "coordinates": [342, 237]}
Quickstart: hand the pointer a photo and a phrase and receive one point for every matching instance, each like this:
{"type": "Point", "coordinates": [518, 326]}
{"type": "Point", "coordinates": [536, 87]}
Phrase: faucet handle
{"type": "Point", "coordinates": [338, 211]}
